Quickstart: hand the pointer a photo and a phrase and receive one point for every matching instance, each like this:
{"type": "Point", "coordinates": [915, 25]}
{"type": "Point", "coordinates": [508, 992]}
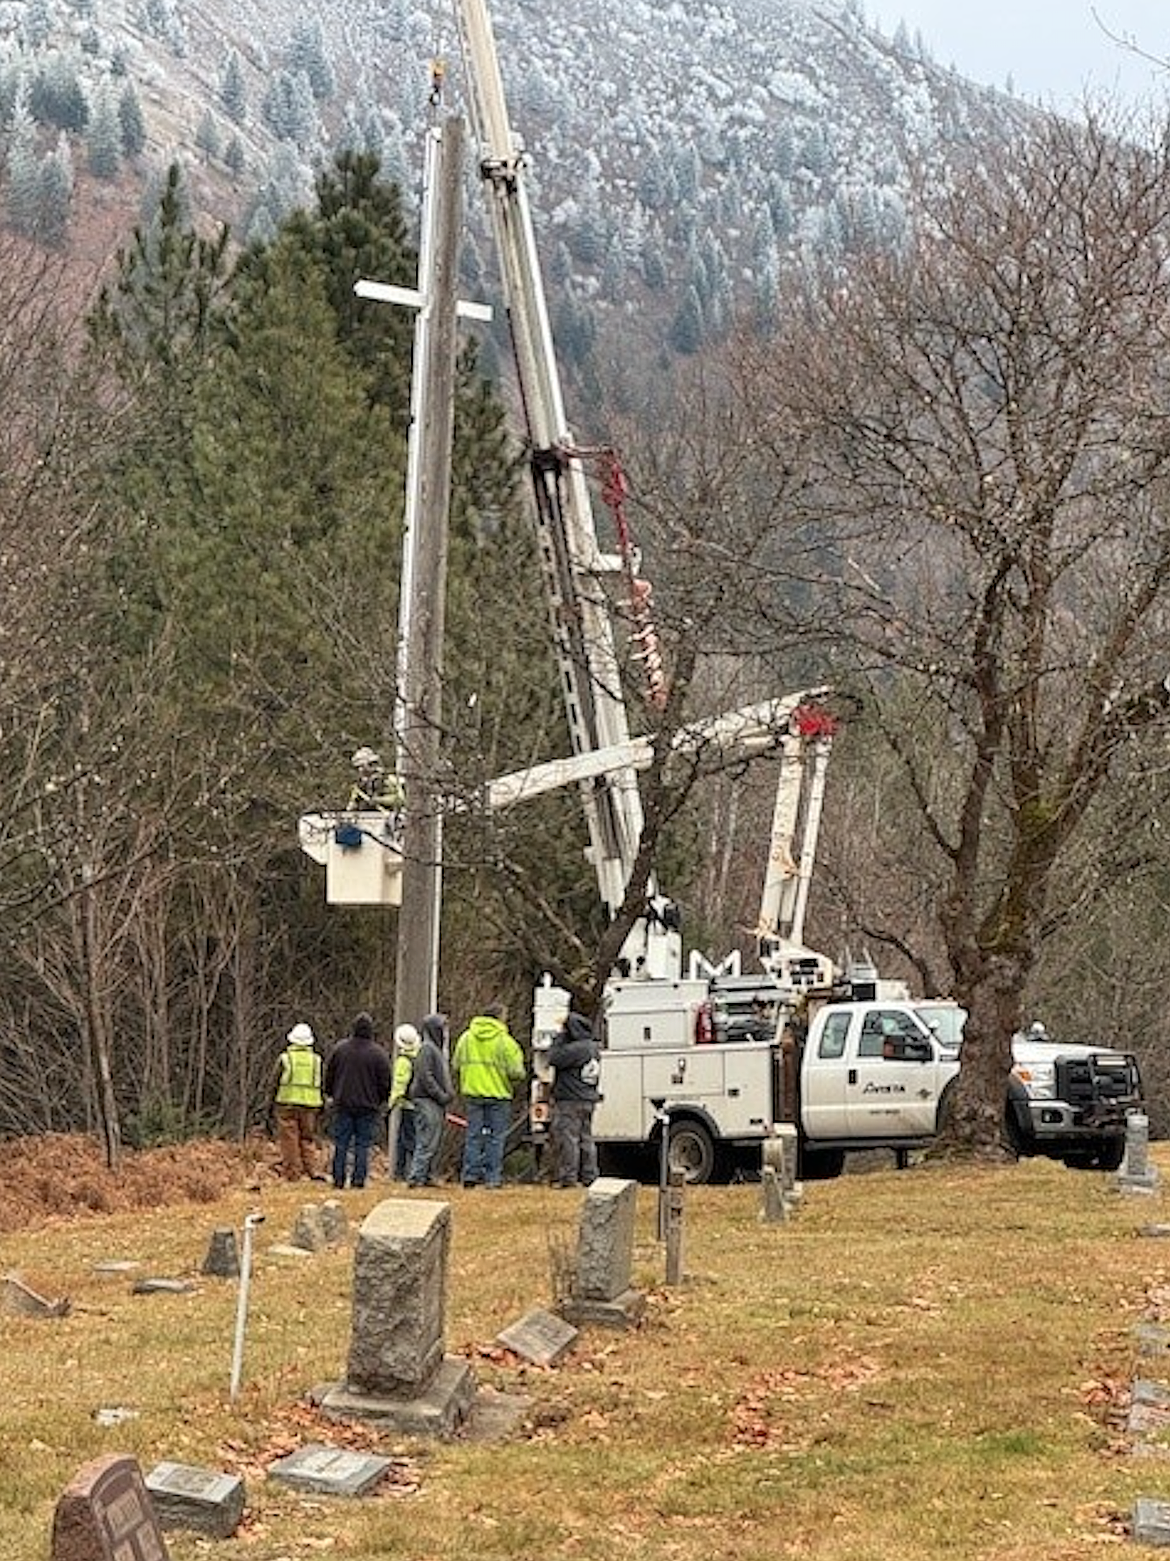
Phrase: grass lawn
{"type": "Point", "coordinates": [929, 1363]}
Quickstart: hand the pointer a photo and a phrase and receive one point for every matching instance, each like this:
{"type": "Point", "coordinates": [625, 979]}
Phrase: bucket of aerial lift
{"type": "Point", "coordinates": [361, 854]}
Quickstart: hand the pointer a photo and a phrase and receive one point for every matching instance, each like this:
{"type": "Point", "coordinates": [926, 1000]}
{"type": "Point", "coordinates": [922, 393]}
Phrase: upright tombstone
{"type": "Point", "coordinates": [105, 1514]}
{"type": "Point", "coordinates": [789, 1141]}
{"type": "Point", "coordinates": [1137, 1174]}
{"type": "Point", "coordinates": [308, 1230]}
{"type": "Point", "coordinates": [223, 1256]}
{"type": "Point", "coordinates": [602, 1283]}
{"type": "Point", "coordinates": [398, 1372]}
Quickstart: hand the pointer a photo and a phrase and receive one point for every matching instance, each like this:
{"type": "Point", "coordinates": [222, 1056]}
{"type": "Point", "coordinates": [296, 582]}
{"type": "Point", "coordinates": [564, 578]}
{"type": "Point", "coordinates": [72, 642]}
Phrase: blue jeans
{"type": "Point", "coordinates": [428, 1130]}
{"type": "Point", "coordinates": [358, 1128]}
{"type": "Point", "coordinates": [404, 1145]}
{"type": "Point", "coordinates": [488, 1121]}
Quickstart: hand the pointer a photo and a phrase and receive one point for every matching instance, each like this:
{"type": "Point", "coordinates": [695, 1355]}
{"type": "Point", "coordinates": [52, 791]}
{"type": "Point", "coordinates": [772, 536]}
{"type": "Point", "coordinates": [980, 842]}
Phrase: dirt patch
{"type": "Point", "coordinates": [64, 1176]}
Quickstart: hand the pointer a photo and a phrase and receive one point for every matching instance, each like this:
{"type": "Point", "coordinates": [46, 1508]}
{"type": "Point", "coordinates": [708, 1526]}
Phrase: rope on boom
{"type": "Point", "coordinates": [643, 637]}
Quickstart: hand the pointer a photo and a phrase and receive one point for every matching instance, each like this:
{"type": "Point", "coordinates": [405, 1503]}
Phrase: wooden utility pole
{"type": "Point", "coordinates": [421, 664]}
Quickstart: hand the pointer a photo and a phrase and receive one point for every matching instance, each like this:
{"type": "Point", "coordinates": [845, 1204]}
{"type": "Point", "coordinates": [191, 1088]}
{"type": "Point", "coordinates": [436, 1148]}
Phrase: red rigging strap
{"type": "Point", "coordinates": [639, 592]}
{"type": "Point", "coordinates": [813, 721]}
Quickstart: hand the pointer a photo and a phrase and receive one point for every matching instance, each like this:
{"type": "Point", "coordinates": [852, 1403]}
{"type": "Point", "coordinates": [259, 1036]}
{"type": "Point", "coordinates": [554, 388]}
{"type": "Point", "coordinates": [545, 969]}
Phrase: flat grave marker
{"type": "Point", "coordinates": [330, 1471]}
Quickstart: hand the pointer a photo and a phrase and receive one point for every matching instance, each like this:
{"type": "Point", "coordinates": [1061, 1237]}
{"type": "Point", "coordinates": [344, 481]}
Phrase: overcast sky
{"type": "Point", "coordinates": [1052, 49]}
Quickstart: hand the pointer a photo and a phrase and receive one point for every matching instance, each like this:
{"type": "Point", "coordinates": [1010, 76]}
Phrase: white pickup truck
{"type": "Point", "coordinates": [869, 1075]}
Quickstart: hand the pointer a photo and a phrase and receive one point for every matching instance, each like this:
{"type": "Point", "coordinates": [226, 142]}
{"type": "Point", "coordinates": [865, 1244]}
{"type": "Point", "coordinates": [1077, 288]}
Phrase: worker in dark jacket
{"type": "Point", "coordinates": [431, 1092]}
{"type": "Point", "coordinates": [575, 1058]}
{"type": "Point", "coordinates": [357, 1081]}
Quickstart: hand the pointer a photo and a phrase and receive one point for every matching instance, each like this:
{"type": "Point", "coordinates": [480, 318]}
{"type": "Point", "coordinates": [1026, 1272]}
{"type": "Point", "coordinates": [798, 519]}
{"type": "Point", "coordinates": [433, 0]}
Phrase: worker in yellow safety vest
{"type": "Point", "coordinates": [298, 1104]}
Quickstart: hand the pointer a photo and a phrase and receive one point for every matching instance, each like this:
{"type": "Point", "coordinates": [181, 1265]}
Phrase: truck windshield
{"type": "Point", "coordinates": [946, 1020]}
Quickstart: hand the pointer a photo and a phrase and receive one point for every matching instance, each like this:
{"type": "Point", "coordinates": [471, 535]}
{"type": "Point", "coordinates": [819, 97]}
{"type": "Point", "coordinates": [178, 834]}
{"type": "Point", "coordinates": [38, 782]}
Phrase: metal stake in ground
{"type": "Point", "coordinates": [250, 1223]}
{"type": "Point", "coordinates": [662, 1117]}
{"type": "Point", "coordinates": [675, 1223]}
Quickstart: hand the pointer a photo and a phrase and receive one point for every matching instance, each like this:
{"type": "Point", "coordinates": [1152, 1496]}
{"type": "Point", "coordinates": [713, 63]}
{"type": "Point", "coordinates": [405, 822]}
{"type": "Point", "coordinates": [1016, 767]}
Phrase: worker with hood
{"type": "Point", "coordinates": [431, 1092]}
{"type": "Point", "coordinates": [357, 1081]}
{"type": "Point", "coordinates": [298, 1103]}
{"type": "Point", "coordinates": [406, 1044]}
{"type": "Point", "coordinates": [487, 1064]}
{"type": "Point", "coordinates": [575, 1058]}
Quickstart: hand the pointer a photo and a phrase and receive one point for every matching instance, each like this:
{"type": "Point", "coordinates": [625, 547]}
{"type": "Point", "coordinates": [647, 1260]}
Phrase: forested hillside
{"type": "Point", "coordinates": [687, 156]}
{"type": "Point", "coordinates": [889, 384]}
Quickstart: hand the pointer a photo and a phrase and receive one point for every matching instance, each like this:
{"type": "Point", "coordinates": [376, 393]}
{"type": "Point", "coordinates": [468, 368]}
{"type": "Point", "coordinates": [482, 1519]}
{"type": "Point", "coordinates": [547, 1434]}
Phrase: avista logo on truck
{"type": "Point", "coordinates": [869, 1075]}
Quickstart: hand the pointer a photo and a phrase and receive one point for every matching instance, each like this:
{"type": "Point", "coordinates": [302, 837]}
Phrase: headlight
{"type": "Point", "coordinates": [1038, 1078]}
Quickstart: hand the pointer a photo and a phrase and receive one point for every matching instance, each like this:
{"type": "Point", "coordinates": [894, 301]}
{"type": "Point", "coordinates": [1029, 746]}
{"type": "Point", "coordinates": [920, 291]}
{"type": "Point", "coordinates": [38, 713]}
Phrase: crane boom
{"type": "Point", "coordinates": [569, 553]}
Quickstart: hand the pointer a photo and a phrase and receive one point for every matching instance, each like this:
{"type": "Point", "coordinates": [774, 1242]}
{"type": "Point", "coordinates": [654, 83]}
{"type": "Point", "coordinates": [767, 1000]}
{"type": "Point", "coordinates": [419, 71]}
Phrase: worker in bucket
{"type": "Point", "coordinates": [374, 790]}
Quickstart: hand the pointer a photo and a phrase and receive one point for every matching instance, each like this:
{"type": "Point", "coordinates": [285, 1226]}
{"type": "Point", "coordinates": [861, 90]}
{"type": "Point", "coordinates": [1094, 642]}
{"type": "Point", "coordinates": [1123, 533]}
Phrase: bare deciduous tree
{"type": "Point", "coordinates": [971, 448]}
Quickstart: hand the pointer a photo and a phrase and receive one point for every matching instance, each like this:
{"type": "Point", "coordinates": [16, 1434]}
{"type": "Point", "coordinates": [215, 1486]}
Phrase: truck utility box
{"type": "Point", "coordinates": [652, 1013]}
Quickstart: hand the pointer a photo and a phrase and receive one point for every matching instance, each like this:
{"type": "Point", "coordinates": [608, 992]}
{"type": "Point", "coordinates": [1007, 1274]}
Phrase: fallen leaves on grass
{"type": "Point", "coordinates": [754, 1419]}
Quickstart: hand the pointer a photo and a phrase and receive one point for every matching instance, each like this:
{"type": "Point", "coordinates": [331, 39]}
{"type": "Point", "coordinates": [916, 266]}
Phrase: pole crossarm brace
{"type": "Point", "coordinates": [412, 298]}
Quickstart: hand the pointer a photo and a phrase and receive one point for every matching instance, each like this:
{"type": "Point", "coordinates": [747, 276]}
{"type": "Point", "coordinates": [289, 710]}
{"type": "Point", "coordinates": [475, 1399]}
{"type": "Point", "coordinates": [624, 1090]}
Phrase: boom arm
{"type": "Point", "coordinates": [570, 558]}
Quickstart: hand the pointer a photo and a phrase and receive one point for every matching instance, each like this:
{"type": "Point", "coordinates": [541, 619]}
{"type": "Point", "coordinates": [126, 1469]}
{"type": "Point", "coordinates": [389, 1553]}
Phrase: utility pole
{"type": "Point", "coordinates": [416, 981]}
{"type": "Point", "coordinates": [422, 603]}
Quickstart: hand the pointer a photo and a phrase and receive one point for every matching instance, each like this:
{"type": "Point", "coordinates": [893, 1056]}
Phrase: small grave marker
{"type": "Point", "coordinates": [105, 1514]}
{"type": "Point", "coordinates": [163, 1287]}
{"type": "Point", "coordinates": [1151, 1521]}
{"type": "Point", "coordinates": [206, 1500]}
{"type": "Point", "coordinates": [19, 1298]}
{"type": "Point", "coordinates": [309, 1230]}
{"type": "Point", "coordinates": [1149, 1409]}
{"type": "Point", "coordinates": [540, 1337]}
{"type": "Point", "coordinates": [331, 1471]}
{"type": "Point", "coordinates": [223, 1256]}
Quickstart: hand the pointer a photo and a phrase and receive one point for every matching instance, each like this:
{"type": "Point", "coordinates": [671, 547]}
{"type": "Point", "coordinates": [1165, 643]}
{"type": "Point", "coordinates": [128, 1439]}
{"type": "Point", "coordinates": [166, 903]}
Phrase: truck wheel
{"type": "Point", "coordinates": [1111, 1154]}
{"type": "Point", "coordinates": [692, 1151]}
{"type": "Point", "coordinates": [628, 1161]}
{"type": "Point", "coordinates": [821, 1165]}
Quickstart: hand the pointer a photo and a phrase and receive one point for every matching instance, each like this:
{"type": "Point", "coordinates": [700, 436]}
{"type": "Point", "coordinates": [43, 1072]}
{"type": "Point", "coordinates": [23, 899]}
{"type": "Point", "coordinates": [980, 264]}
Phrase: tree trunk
{"type": "Point", "coordinates": [974, 1125]}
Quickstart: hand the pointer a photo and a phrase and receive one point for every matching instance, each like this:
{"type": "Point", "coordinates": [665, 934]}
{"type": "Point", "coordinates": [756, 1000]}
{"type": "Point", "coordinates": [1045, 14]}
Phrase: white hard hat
{"type": "Point", "coordinates": [301, 1035]}
{"type": "Point", "coordinates": [407, 1038]}
{"type": "Point", "coordinates": [365, 757]}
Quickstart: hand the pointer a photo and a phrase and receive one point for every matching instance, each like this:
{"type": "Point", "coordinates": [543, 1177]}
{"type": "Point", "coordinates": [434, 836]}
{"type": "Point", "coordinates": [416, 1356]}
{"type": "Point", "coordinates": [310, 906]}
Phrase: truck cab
{"type": "Point", "coordinates": [879, 1075]}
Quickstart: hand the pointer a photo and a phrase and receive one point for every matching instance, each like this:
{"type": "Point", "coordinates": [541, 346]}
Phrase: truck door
{"type": "Point", "coordinates": [823, 1074]}
{"type": "Point", "coordinates": [891, 1096]}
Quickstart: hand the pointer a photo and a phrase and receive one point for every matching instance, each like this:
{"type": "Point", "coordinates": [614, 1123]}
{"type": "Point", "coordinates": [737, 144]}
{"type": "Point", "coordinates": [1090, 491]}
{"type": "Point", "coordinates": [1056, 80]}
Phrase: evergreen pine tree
{"type": "Point", "coordinates": [55, 195]}
{"type": "Point", "coordinates": [133, 126]}
{"type": "Point", "coordinates": [104, 138]}
{"type": "Point", "coordinates": [232, 92]}
{"type": "Point", "coordinates": [37, 25]}
{"type": "Point", "coordinates": [22, 194]}
{"type": "Point", "coordinates": [207, 137]}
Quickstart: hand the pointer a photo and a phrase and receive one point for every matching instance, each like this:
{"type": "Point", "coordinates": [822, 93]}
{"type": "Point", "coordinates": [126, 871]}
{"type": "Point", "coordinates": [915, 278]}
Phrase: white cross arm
{"type": "Point", "coordinates": [388, 293]}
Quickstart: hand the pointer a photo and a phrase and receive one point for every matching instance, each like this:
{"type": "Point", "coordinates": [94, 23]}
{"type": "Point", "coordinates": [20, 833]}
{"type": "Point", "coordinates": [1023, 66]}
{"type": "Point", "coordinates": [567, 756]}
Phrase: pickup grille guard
{"type": "Point", "coordinates": [1099, 1089]}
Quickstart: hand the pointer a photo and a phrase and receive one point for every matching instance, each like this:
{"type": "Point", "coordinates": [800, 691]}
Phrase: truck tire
{"type": "Point", "coordinates": [1111, 1154]}
{"type": "Point", "coordinates": [1017, 1121]}
{"type": "Point", "coordinates": [629, 1161]}
{"type": "Point", "coordinates": [1105, 1156]}
{"type": "Point", "coordinates": [821, 1165]}
{"type": "Point", "coordinates": [692, 1151]}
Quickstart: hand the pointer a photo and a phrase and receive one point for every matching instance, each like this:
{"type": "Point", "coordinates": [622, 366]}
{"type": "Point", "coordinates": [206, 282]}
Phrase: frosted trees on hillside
{"type": "Point", "coordinates": [232, 92]}
{"type": "Point", "coordinates": [103, 142]}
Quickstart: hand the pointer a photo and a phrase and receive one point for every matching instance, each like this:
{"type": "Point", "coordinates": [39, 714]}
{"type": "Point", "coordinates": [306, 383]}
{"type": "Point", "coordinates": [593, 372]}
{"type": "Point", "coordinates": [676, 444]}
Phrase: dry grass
{"type": "Point", "coordinates": [923, 1364]}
